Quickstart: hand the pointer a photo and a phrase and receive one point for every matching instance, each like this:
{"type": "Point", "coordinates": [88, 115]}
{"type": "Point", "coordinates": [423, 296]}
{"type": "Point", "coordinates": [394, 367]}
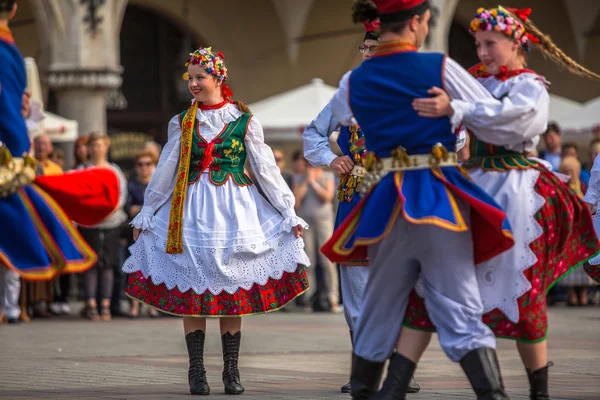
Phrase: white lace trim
{"type": "Point", "coordinates": [144, 221]}
{"type": "Point", "coordinates": [596, 221]}
{"type": "Point", "coordinates": [486, 274]}
{"type": "Point", "coordinates": [502, 280]}
{"type": "Point", "coordinates": [216, 269]}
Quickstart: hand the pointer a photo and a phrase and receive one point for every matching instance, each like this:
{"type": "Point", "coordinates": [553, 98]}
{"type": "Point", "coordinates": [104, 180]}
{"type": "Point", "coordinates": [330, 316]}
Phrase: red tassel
{"type": "Point", "coordinates": [532, 38]}
{"type": "Point", "coordinates": [225, 91]}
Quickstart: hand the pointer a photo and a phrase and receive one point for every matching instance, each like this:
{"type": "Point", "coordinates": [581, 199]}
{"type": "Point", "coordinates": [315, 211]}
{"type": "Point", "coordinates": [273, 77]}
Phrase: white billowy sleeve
{"type": "Point", "coordinates": [163, 180]}
{"type": "Point", "coordinates": [514, 121]}
{"type": "Point", "coordinates": [340, 104]}
{"type": "Point", "coordinates": [269, 176]}
{"type": "Point", "coordinates": [593, 192]}
{"type": "Point", "coordinates": [316, 138]}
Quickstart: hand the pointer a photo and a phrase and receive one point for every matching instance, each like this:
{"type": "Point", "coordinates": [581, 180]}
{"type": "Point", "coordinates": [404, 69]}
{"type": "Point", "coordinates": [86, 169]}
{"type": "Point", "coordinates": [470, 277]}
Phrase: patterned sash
{"type": "Point", "coordinates": [175, 232]}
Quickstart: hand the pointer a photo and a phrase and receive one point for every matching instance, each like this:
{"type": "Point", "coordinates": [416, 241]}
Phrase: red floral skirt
{"type": "Point", "coordinates": [569, 240]}
{"type": "Point", "coordinates": [272, 296]}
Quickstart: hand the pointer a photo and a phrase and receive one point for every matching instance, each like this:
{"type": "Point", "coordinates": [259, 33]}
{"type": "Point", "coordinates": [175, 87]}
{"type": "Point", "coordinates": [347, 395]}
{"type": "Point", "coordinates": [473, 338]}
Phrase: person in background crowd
{"type": "Point", "coordinates": [314, 190]}
{"type": "Point", "coordinates": [39, 295]}
{"type": "Point", "coordinates": [280, 161]}
{"type": "Point", "coordinates": [578, 282]}
{"type": "Point", "coordinates": [43, 148]}
{"type": "Point", "coordinates": [103, 238]}
{"type": "Point", "coordinates": [144, 165]}
{"type": "Point", "coordinates": [552, 139]}
{"type": "Point", "coordinates": [58, 157]}
{"type": "Point", "coordinates": [81, 152]}
{"type": "Point", "coordinates": [594, 150]}
{"type": "Point", "coordinates": [572, 150]}
{"type": "Point", "coordinates": [153, 148]}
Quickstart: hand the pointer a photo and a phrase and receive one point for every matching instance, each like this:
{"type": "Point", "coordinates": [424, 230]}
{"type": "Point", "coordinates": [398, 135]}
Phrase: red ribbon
{"type": "Point", "coordinates": [226, 92]}
{"type": "Point", "coordinates": [371, 26]}
{"type": "Point", "coordinates": [522, 13]}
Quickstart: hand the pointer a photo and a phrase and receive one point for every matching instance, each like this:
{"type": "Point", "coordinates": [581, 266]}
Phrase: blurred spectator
{"type": "Point", "coordinates": [144, 165]}
{"type": "Point", "coordinates": [42, 148]}
{"type": "Point", "coordinates": [39, 295]}
{"type": "Point", "coordinates": [552, 139]}
{"type": "Point", "coordinates": [314, 190]}
{"type": "Point", "coordinates": [280, 161]}
{"type": "Point", "coordinates": [104, 238]}
{"type": "Point", "coordinates": [577, 282]}
{"type": "Point", "coordinates": [572, 150]}
{"type": "Point", "coordinates": [153, 148]}
{"type": "Point", "coordinates": [58, 157]}
{"type": "Point", "coordinates": [81, 152]}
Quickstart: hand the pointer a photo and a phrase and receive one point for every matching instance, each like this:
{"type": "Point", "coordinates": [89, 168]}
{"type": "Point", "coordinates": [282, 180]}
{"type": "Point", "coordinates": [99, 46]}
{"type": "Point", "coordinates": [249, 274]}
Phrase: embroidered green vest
{"type": "Point", "coordinates": [495, 158]}
{"type": "Point", "coordinates": [224, 156]}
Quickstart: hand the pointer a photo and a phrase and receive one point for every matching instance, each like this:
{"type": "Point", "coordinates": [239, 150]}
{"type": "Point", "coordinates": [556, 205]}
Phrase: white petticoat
{"type": "Point", "coordinates": [232, 239]}
{"type": "Point", "coordinates": [501, 279]}
{"type": "Point", "coordinates": [596, 221]}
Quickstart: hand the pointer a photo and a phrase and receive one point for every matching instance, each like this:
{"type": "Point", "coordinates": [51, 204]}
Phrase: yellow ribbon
{"type": "Point", "coordinates": [175, 233]}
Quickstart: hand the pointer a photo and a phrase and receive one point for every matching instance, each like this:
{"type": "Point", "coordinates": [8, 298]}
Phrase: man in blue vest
{"type": "Point", "coordinates": [422, 217]}
{"type": "Point", "coordinates": [318, 151]}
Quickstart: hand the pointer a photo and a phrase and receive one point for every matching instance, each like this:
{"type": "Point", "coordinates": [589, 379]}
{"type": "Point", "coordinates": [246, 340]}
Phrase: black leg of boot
{"type": "Point", "coordinates": [538, 383]}
{"type": "Point", "coordinates": [481, 367]}
{"type": "Point", "coordinates": [365, 377]}
{"type": "Point", "coordinates": [197, 373]}
{"type": "Point", "coordinates": [400, 374]}
{"type": "Point", "coordinates": [231, 356]}
{"type": "Point", "coordinates": [346, 388]}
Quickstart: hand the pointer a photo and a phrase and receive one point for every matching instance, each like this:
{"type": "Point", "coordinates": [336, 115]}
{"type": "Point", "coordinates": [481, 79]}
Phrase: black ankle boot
{"type": "Point", "coordinates": [365, 377]}
{"type": "Point", "coordinates": [197, 373]}
{"type": "Point", "coordinates": [399, 376]}
{"type": "Point", "coordinates": [538, 383]}
{"type": "Point", "coordinates": [231, 356]}
{"type": "Point", "coordinates": [482, 369]}
{"type": "Point", "coordinates": [413, 386]}
{"type": "Point", "coordinates": [346, 388]}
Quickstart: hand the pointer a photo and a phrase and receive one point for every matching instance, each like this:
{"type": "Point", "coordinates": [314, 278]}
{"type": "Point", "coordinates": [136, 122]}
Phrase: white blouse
{"type": "Point", "coordinates": [511, 113]}
{"type": "Point", "coordinates": [212, 123]}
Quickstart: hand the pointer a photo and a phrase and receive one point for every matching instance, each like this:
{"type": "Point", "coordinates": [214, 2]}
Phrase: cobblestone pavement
{"type": "Point", "coordinates": [284, 356]}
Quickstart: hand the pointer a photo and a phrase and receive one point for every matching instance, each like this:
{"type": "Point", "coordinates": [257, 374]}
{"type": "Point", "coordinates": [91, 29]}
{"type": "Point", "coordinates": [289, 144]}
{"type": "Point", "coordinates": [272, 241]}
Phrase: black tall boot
{"type": "Point", "coordinates": [399, 376]}
{"type": "Point", "coordinates": [365, 377]}
{"type": "Point", "coordinates": [538, 383]}
{"type": "Point", "coordinates": [346, 388]}
{"type": "Point", "coordinates": [197, 373]}
{"type": "Point", "coordinates": [231, 356]}
{"type": "Point", "coordinates": [482, 369]}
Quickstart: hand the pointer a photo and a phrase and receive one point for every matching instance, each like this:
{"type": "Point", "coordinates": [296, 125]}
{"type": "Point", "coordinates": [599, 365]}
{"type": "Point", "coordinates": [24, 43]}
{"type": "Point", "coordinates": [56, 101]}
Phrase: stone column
{"type": "Point", "coordinates": [438, 34]}
{"type": "Point", "coordinates": [82, 53]}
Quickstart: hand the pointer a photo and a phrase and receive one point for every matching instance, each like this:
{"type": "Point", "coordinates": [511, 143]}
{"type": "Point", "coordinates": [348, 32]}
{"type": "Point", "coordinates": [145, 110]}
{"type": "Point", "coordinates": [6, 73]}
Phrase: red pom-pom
{"type": "Point", "coordinates": [220, 55]}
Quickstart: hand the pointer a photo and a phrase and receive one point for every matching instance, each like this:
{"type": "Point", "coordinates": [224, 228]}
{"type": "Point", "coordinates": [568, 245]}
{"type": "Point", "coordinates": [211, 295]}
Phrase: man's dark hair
{"type": "Point", "coordinates": [7, 5]}
{"type": "Point", "coordinates": [570, 145]}
{"type": "Point", "coordinates": [297, 155]}
{"type": "Point", "coordinates": [553, 127]}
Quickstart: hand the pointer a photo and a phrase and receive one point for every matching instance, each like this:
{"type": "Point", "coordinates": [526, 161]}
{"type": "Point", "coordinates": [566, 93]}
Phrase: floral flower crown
{"type": "Point", "coordinates": [212, 63]}
{"type": "Point", "coordinates": [500, 20]}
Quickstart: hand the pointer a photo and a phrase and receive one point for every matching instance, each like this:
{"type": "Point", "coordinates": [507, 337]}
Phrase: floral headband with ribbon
{"type": "Point", "coordinates": [500, 20]}
{"type": "Point", "coordinates": [211, 63]}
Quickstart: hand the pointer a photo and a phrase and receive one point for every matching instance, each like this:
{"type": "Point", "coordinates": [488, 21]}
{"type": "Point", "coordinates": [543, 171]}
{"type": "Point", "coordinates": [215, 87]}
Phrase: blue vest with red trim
{"type": "Point", "coordinates": [381, 93]}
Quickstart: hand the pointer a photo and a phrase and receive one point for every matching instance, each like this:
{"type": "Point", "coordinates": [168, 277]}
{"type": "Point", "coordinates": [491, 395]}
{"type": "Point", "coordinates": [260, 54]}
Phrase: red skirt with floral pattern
{"type": "Point", "coordinates": [260, 299]}
{"type": "Point", "coordinates": [568, 242]}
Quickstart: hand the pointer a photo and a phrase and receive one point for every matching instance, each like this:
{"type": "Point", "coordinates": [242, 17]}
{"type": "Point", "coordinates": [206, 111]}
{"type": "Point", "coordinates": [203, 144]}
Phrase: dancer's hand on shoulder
{"type": "Point", "coordinates": [136, 233]}
{"type": "Point", "coordinates": [436, 106]}
{"type": "Point", "coordinates": [342, 164]}
{"type": "Point", "coordinates": [298, 231]}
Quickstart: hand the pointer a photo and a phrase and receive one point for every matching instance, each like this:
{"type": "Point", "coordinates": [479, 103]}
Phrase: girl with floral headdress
{"type": "Point", "coordinates": [551, 225]}
{"type": "Point", "coordinates": [207, 244]}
